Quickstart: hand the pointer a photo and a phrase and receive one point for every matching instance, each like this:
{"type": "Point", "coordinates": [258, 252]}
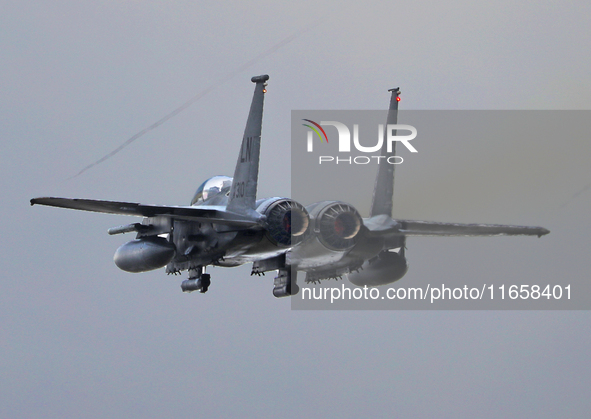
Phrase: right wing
{"type": "Point", "coordinates": [387, 227]}
{"type": "Point", "coordinates": [208, 215]}
{"type": "Point", "coordinates": [429, 228]}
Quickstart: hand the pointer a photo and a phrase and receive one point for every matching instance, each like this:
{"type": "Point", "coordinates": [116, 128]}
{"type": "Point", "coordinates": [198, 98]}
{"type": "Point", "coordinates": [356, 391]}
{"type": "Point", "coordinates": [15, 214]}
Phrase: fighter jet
{"type": "Point", "coordinates": [225, 225]}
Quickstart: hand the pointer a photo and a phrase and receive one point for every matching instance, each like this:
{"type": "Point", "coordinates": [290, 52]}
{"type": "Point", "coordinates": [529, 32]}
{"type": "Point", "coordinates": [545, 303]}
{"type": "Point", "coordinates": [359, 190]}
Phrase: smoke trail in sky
{"type": "Point", "coordinates": [199, 95]}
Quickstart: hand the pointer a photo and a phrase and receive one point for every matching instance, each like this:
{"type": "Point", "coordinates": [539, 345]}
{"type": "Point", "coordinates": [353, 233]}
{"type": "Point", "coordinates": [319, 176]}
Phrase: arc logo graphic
{"type": "Point", "coordinates": [389, 134]}
{"type": "Point", "coordinates": [315, 130]}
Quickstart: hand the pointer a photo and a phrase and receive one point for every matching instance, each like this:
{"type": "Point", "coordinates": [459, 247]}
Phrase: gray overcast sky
{"type": "Point", "coordinates": [80, 338]}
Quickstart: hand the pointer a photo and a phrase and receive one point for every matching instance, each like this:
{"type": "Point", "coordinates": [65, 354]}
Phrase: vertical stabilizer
{"type": "Point", "coordinates": [384, 188]}
{"type": "Point", "coordinates": [244, 186]}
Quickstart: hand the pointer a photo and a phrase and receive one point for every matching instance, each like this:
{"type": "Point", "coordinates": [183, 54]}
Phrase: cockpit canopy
{"type": "Point", "coordinates": [217, 186]}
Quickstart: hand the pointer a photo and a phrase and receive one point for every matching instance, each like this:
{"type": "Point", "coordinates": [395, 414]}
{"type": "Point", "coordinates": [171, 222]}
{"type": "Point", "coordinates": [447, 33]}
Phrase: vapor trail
{"type": "Point", "coordinates": [199, 95]}
{"type": "Point", "coordinates": [572, 198]}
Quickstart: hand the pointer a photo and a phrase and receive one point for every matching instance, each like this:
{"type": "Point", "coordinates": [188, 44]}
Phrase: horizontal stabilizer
{"type": "Point", "coordinates": [202, 214]}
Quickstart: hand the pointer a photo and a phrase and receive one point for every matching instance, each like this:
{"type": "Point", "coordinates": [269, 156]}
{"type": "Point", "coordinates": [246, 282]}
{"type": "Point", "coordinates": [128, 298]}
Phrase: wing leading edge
{"type": "Point", "coordinates": [202, 214]}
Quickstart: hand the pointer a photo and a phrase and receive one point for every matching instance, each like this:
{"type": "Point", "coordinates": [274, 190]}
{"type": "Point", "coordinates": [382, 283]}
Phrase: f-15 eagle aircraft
{"type": "Point", "coordinates": [227, 226]}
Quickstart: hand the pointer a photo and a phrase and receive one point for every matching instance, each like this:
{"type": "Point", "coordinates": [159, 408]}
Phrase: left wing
{"type": "Point", "coordinates": [203, 214]}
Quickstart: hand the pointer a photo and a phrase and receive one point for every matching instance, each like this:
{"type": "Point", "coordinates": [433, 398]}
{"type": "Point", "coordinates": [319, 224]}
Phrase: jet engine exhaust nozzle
{"type": "Point", "coordinates": [338, 225]}
{"type": "Point", "coordinates": [287, 221]}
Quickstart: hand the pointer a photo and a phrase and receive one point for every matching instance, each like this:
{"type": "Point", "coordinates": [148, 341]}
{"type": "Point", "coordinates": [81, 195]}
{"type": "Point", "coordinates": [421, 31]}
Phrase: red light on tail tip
{"type": "Point", "coordinates": [398, 98]}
